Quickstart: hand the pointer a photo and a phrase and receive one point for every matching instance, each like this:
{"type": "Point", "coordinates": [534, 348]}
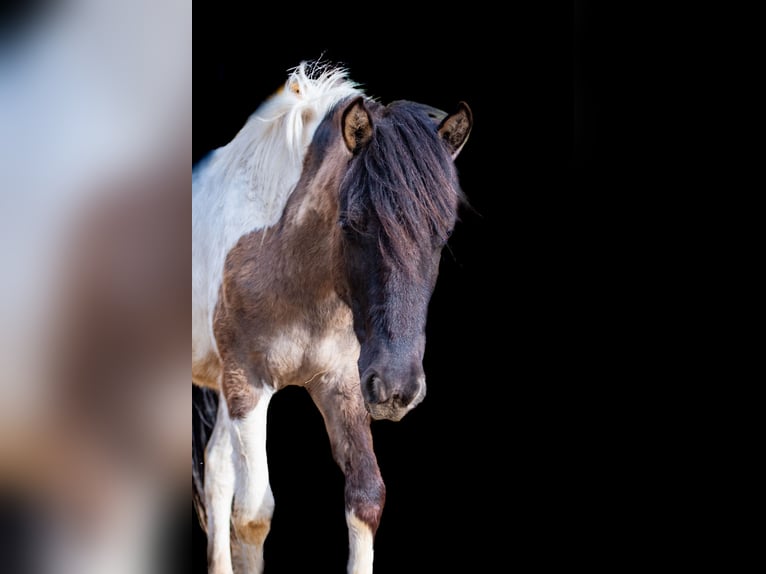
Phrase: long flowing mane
{"type": "Point", "coordinates": [276, 135]}
{"type": "Point", "coordinates": [408, 177]}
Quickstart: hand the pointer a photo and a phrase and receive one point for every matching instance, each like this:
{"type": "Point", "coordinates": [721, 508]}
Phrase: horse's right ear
{"type": "Point", "coordinates": [357, 125]}
{"type": "Point", "coordinates": [456, 128]}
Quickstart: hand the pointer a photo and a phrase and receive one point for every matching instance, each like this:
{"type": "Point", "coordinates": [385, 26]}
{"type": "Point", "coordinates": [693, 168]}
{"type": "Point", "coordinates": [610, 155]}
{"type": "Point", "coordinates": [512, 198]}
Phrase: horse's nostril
{"type": "Point", "coordinates": [374, 388]}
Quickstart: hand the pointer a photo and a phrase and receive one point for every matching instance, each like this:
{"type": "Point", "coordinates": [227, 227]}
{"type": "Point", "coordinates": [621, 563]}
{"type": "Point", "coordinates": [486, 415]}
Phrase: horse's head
{"type": "Point", "coordinates": [399, 201]}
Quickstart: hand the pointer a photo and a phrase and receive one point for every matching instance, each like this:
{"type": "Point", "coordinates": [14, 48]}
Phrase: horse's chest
{"type": "Point", "coordinates": [283, 335]}
{"type": "Point", "coordinates": [298, 354]}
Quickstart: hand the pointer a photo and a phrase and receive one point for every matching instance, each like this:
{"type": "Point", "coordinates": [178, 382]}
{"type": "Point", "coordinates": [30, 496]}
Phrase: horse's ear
{"type": "Point", "coordinates": [357, 125]}
{"type": "Point", "coordinates": [456, 128]}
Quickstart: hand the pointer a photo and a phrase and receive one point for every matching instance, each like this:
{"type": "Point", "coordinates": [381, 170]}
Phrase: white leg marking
{"type": "Point", "coordinates": [253, 499]}
{"type": "Point", "coordinates": [360, 542]}
{"type": "Point", "coordinates": [219, 492]}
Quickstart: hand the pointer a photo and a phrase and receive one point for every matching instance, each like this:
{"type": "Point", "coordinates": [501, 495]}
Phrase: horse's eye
{"type": "Point", "coordinates": [352, 225]}
{"type": "Point", "coordinates": [449, 233]}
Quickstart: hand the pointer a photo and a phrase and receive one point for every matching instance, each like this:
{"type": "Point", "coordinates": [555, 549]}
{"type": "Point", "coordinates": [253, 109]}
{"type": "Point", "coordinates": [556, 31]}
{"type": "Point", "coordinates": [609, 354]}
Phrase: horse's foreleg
{"type": "Point", "coordinates": [219, 492]}
{"type": "Point", "coordinates": [253, 500]}
{"type": "Point", "coordinates": [348, 426]}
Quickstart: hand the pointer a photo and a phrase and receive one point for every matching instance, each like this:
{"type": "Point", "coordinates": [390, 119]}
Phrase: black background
{"type": "Point", "coordinates": [517, 455]}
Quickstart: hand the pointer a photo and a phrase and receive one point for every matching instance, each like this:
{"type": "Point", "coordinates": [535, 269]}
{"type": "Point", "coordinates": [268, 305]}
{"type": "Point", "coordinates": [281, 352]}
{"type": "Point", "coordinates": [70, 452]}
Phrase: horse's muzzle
{"type": "Point", "coordinates": [390, 402]}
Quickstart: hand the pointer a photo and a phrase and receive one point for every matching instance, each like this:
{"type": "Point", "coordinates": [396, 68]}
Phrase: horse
{"type": "Point", "coordinates": [317, 234]}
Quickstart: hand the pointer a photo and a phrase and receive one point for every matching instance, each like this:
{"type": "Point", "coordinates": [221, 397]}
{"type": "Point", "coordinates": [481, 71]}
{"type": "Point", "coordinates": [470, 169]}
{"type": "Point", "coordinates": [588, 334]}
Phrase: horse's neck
{"type": "Point", "coordinates": [308, 239]}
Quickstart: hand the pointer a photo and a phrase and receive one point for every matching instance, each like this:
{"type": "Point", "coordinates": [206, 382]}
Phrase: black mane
{"type": "Point", "coordinates": [407, 177]}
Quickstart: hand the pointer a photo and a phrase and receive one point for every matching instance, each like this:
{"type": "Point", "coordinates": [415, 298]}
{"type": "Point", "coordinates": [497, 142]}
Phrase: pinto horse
{"type": "Point", "coordinates": [317, 237]}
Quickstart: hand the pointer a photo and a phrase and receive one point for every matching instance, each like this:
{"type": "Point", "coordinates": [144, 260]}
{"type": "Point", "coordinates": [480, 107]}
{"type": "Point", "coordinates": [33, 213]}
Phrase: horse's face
{"type": "Point", "coordinates": [389, 300]}
{"type": "Point", "coordinates": [397, 209]}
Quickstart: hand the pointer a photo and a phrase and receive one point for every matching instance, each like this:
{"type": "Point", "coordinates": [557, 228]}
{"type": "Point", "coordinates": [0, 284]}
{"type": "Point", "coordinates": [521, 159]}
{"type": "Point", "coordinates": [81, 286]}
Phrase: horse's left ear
{"type": "Point", "coordinates": [357, 125]}
{"type": "Point", "coordinates": [456, 128]}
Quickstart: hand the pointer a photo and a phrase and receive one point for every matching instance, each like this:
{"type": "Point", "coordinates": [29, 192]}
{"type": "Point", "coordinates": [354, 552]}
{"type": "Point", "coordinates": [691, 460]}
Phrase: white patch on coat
{"type": "Point", "coordinates": [360, 545]}
{"type": "Point", "coordinates": [253, 499]}
{"type": "Point", "coordinates": [219, 491]}
{"type": "Point", "coordinates": [287, 353]}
